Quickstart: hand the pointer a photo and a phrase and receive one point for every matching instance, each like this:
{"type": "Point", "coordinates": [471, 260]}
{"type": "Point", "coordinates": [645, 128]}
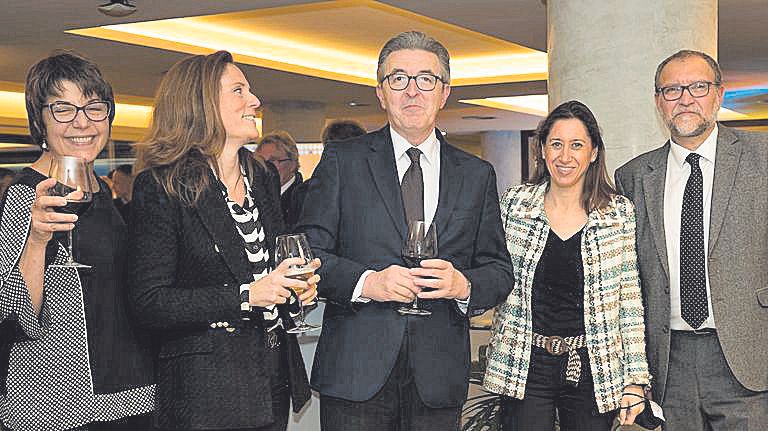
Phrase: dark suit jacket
{"type": "Point", "coordinates": [354, 218]}
{"type": "Point", "coordinates": [292, 200]}
{"type": "Point", "coordinates": [187, 266]}
{"type": "Point", "coordinates": [737, 253]}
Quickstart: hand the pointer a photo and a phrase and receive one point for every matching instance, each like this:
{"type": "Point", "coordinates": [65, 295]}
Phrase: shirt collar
{"type": "Point", "coordinates": [706, 150]}
{"type": "Point", "coordinates": [430, 147]}
{"type": "Point", "coordinates": [285, 186]}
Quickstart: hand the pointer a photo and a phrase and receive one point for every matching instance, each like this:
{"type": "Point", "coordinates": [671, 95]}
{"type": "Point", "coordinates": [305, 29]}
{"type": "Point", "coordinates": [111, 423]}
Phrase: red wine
{"type": "Point", "coordinates": [414, 261]}
{"type": "Point", "coordinates": [72, 207]}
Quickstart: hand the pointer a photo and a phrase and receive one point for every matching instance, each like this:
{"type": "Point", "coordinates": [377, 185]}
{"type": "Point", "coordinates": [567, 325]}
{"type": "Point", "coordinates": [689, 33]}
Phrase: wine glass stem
{"type": "Point", "coordinates": [301, 313]}
{"type": "Point", "coordinates": [71, 258]}
{"type": "Point", "coordinates": [415, 304]}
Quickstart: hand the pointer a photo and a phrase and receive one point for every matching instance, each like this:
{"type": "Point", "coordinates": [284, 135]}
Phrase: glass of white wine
{"type": "Point", "coordinates": [296, 245]}
{"type": "Point", "coordinates": [72, 175]}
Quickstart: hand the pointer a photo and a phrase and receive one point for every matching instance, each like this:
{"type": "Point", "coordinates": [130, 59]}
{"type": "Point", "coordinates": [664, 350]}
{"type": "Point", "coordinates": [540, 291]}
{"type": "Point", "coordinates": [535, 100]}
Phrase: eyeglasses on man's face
{"type": "Point", "coordinates": [65, 112]}
{"type": "Point", "coordinates": [696, 89]}
{"type": "Point", "coordinates": [399, 81]}
{"type": "Point", "coordinates": [278, 161]}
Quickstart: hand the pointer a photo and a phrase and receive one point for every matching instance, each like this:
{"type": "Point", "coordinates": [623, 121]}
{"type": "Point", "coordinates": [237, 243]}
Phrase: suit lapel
{"type": "Point", "coordinates": [215, 217]}
{"type": "Point", "coordinates": [726, 166]}
{"type": "Point", "coordinates": [450, 184]}
{"type": "Point", "coordinates": [381, 162]}
{"type": "Point", "coordinates": [653, 191]}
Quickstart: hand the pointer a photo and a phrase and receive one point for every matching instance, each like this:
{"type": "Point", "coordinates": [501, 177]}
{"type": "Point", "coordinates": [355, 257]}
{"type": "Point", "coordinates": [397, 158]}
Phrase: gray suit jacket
{"type": "Point", "coordinates": [737, 253]}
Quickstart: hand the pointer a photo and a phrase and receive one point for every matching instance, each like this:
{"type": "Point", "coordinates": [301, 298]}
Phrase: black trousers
{"type": "Point", "coordinates": [396, 407]}
{"type": "Point", "coordinates": [546, 392]}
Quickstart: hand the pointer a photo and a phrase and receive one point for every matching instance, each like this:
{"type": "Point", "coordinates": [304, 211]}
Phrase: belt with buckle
{"type": "Point", "coordinates": [557, 346]}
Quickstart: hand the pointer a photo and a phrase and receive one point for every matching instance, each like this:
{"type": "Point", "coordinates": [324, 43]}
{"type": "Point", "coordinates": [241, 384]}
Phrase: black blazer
{"type": "Point", "coordinates": [354, 218]}
{"type": "Point", "coordinates": [292, 201]}
{"type": "Point", "coordinates": [187, 266]}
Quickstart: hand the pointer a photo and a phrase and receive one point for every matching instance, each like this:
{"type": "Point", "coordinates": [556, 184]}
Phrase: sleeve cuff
{"type": "Point", "coordinates": [357, 294]}
{"type": "Point", "coordinates": [17, 293]}
{"type": "Point", "coordinates": [463, 304]}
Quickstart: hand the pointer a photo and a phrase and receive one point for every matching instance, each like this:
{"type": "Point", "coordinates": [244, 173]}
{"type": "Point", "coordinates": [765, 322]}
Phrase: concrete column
{"type": "Point", "coordinates": [304, 120]}
{"type": "Point", "coordinates": [604, 53]}
{"type": "Point", "coordinates": [502, 150]}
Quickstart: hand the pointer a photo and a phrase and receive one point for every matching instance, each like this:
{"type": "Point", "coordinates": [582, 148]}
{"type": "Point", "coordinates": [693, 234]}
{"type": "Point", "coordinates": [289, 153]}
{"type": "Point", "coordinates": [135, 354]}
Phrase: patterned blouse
{"type": "Point", "coordinates": [250, 228]}
{"type": "Point", "coordinates": [59, 375]}
{"type": "Point", "coordinates": [613, 307]}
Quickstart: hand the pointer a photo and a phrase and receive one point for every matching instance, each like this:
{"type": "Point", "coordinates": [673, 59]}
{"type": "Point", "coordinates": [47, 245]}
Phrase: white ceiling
{"type": "Point", "coordinates": [30, 29]}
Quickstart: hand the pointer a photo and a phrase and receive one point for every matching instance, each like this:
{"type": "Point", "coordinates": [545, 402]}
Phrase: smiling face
{"type": "Point", "coordinates": [81, 137]}
{"type": "Point", "coordinates": [568, 153]}
{"type": "Point", "coordinates": [237, 106]}
{"type": "Point", "coordinates": [412, 112]}
{"type": "Point", "coordinates": [689, 119]}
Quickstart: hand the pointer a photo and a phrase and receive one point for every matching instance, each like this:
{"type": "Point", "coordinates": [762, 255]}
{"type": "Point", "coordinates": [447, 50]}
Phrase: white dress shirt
{"type": "Point", "coordinates": [285, 186]}
{"type": "Point", "coordinates": [678, 171]}
{"type": "Point", "coordinates": [430, 168]}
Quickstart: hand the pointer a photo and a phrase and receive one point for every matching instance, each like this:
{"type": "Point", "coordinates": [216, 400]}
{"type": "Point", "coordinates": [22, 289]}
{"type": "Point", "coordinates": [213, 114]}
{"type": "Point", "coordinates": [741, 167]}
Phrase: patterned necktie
{"type": "Point", "coordinates": [693, 286]}
{"type": "Point", "coordinates": [412, 187]}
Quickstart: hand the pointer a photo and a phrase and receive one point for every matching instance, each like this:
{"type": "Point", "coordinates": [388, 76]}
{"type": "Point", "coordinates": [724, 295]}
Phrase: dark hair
{"type": "Point", "coordinates": [598, 189]}
{"type": "Point", "coordinates": [5, 172]}
{"type": "Point", "coordinates": [339, 130]}
{"type": "Point", "coordinates": [45, 79]}
{"type": "Point", "coordinates": [415, 40]}
{"type": "Point", "coordinates": [125, 169]}
{"type": "Point", "coordinates": [683, 55]}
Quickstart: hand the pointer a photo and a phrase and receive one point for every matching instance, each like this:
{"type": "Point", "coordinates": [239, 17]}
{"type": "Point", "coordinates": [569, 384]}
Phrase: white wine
{"type": "Point", "coordinates": [302, 273]}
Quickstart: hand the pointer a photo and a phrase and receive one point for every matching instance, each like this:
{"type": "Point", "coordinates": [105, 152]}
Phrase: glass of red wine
{"type": "Point", "coordinates": [73, 181]}
{"type": "Point", "coordinates": [421, 244]}
{"type": "Point", "coordinates": [296, 245]}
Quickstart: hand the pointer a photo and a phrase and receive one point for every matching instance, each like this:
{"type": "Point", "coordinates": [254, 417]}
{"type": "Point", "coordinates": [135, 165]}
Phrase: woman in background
{"type": "Point", "coordinates": [570, 337]}
{"type": "Point", "coordinates": [69, 357]}
{"type": "Point", "coordinates": [204, 218]}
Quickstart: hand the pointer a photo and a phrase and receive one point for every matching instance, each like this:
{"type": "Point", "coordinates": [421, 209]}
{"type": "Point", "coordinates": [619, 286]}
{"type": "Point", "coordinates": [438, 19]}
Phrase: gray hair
{"type": "Point", "coordinates": [415, 40]}
{"type": "Point", "coordinates": [685, 54]}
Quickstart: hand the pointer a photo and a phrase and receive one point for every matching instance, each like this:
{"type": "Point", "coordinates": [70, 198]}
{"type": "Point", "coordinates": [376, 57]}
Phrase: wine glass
{"type": "Point", "coordinates": [296, 245]}
{"type": "Point", "coordinates": [421, 244]}
{"type": "Point", "coordinates": [72, 175]}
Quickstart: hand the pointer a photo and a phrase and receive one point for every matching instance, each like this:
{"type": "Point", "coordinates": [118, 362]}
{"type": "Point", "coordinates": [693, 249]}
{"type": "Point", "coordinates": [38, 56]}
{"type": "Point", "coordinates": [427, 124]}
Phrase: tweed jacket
{"type": "Point", "coordinates": [613, 308]}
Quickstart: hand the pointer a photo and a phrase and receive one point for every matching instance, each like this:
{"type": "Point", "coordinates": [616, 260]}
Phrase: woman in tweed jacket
{"type": "Point", "coordinates": [570, 336]}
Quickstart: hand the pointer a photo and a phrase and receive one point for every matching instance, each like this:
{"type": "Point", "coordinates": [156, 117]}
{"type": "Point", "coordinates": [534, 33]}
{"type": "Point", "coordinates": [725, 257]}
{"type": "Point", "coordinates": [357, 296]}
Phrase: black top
{"type": "Point", "coordinates": [99, 240]}
{"type": "Point", "coordinates": [557, 299]}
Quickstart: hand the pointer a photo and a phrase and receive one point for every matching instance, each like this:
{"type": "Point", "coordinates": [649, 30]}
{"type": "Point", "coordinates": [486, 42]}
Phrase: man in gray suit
{"type": "Point", "coordinates": [702, 242]}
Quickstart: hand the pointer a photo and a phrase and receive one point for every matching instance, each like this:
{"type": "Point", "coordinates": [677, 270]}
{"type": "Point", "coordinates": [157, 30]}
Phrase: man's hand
{"type": "Point", "coordinates": [447, 281]}
{"type": "Point", "coordinates": [394, 283]}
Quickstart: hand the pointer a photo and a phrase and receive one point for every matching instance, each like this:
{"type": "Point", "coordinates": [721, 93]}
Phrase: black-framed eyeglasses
{"type": "Point", "coordinates": [279, 160]}
{"type": "Point", "coordinates": [65, 112]}
{"type": "Point", "coordinates": [399, 81]}
{"type": "Point", "coordinates": [696, 89]}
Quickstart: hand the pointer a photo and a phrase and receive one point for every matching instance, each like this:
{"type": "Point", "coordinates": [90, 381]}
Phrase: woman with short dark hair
{"type": "Point", "coordinates": [570, 336]}
{"type": "Point", "coordinates": [69, 357]}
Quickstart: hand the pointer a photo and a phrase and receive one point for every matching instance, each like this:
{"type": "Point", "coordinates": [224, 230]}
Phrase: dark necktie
{"type": "Point", "coordinates": [693, 286]}
{"type": "Point", "coordinates": [412, 188]}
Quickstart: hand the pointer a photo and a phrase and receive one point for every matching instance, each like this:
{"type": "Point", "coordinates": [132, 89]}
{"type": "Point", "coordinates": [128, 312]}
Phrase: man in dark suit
{"type": "Point", "coordinates": [702, 243]}
{"type": "Point", "coordinates": [279, 149]}
{"type": "Point", "coordinates": [376, 369]}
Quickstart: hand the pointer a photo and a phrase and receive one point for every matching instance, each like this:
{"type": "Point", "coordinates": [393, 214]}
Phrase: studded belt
{"type": "Point", "coordinates": [558, 346]}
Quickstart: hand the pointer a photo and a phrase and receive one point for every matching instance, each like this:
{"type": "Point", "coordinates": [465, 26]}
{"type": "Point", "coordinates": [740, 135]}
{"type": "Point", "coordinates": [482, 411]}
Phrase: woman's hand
{"type": "Point", "coordinates": [45, 221]}
{"type": "Point", "coordinates": [632, 404]}
{"type": "Point", "coordinates": [275, 287]}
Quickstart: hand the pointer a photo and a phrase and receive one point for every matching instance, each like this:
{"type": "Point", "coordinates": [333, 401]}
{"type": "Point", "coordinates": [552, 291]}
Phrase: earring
{"type": "Point", "coordinates": [44, 145]}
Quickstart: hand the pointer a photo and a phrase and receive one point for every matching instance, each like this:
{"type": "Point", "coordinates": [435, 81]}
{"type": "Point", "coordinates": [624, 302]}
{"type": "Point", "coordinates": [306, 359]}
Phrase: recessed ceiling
{"type": "Point", "coordinates": [316, 40]}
